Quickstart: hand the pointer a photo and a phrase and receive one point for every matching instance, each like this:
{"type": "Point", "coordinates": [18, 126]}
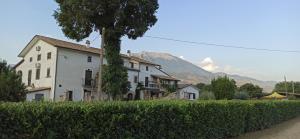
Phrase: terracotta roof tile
{"type": "Point", "coordinates": [79, 47]}
{"type": "Point", "coordinates": [69, 45]}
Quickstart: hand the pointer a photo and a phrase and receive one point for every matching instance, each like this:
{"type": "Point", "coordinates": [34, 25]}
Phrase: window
{"type": "Point", "coordinates": [29, 77]}
{"type": "Point", "coordinates": [135, 79]}
{"type": "Point", "coordinates": [30, 59]}
{"type": "Point", "coordinates": [37, 74]}
{"type": "Point", "coordinates": [38, 97]}
{"type": "Point", "coordinates": [89, 59]}
{"type": "Point", "coordinates": [48, 73]}
{"type": "Point", "coordinates": [147, 68]}
{"type": "Point", "coordinates": [49, 55]}
{"type": "Point", "coordinates": [39, 57]}
{"type": "Point", "coordinates": [88, 77]}
{"type": "Point", "coordinates": [146, 81]}
{"type": "Point", "coordinates": [69, 95]}
{"type": "Point", "coordinates": [132, 65]}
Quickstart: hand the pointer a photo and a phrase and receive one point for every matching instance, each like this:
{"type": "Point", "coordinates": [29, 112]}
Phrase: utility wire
{"type": "Point", "coordinates": [217, 45]}
{"type": "Point", "coordinates": [221, 45]}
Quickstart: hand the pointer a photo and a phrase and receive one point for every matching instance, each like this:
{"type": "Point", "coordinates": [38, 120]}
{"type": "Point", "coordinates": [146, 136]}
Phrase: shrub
{"type": "Point", "coordinates": [223, 88]}
{"type": "Point", "coordinates": [147, 119]}
{"type": "Point", "coordinates": [206, 95]}
{"type": "Point", "coordinates": [241, 95]}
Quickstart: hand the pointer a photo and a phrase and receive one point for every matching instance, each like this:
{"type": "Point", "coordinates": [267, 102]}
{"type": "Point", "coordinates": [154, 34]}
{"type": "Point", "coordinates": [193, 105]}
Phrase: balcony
{"type": "Point", "coordinates": [88, 83]}
{"type": "Point", "coordinates": [151, 85]}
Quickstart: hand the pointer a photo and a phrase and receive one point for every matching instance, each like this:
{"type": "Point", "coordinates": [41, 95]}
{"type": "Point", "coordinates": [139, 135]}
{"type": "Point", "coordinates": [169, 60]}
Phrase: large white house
{"type": "Point", "coordinates": [57, 70]}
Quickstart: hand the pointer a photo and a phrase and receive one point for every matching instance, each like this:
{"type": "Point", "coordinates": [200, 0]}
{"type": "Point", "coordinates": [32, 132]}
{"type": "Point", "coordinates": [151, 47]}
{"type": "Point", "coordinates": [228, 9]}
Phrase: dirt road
{"type": "Point", "coordinates": [286, 130]}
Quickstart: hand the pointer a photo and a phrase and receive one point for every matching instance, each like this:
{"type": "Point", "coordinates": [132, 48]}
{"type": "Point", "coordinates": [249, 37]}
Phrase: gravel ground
{"type": "Point", "coordinates": [286, 130]}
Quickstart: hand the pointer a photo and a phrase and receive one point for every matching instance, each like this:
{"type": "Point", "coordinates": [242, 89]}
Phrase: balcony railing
{"type": "Point", "coordinates": [88, 83]}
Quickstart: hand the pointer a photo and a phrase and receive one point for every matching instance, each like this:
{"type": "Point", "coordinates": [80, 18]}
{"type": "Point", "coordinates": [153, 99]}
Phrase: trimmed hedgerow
{"type": "Point", "coordinates": [145, 119]}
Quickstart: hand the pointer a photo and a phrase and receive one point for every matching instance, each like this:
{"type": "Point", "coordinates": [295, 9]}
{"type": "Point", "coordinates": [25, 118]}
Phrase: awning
{"type": "Point", "coordinates": [275, 95]}
{"type": "Point", "coordinates": [38, 89]}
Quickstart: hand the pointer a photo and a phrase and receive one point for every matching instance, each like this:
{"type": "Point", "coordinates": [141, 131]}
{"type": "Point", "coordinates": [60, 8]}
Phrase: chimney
{"type": "Point", "coordinates": [128, 52]}
{"type": "Point", "coordinates": [88, 43]}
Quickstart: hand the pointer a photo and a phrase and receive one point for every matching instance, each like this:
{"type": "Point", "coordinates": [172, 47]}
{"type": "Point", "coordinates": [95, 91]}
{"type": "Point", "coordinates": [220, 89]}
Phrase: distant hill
{"type": "Point", "coordinates": [189, 73]}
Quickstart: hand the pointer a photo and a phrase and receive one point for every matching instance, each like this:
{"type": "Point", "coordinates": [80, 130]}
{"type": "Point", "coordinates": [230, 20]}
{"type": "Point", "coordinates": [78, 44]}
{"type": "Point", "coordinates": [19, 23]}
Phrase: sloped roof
{"type": "Point", "coordinates": [165, 77]}
{"type": "Point", "coordinates": [143, 61]}
{"type": "Point", "coordinates": [69, 45]}
{"type": "Point", "coordinates": [18, 64]}
{"type": "Point", "coordinates": [38, 89]}
{"type": "Point", "coordinates": [75, 46]}
{"type": "Point", "coordinates": [181, 86]}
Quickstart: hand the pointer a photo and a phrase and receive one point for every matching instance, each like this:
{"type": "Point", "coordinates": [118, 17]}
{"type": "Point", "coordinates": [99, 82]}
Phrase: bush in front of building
{"type": "Point", "coordinates": [144, 119]}
{"type": "Point", "coordinates": [206, 95]}
{"type": "Point", "coordinates": [241, 95]}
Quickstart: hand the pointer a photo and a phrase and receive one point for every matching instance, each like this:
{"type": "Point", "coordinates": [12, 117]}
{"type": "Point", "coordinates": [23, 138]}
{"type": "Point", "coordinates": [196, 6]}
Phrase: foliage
{"type": "Point", "coordinates": [123, 82]}
{"type": "Point", "coordinates": [241, 95]}
{"type": "Point", "coordinates": [169, 88]}
{"type": "Point", "coordinates": [203, 87]}
{"type": "Point", "coordinates": [11, 86]}
{"type": "Point", "coordinates": [254, 91]}
{"type": "Point", "coordinates": [280, 87]}
{"type": "Point", "coordinates": [147, 119]}
{"type": "Point", "coordinates": [206, 95]}
{"type": "Point", "coordinates": [223, 87]}
{"type": "Point", "coordinates": [131, 18]}
{"type": "Point", "coordinates": [292, 97]}
{"type": "Point", "coordinates": [200, 86]}
{"type": "Point", "coordinates": [138, 90]}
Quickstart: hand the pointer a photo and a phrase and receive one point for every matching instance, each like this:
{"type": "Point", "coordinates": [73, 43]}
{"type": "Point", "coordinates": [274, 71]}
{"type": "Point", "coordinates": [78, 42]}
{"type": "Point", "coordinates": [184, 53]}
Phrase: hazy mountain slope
{"type": "Point", "coordinates": [190, 73]}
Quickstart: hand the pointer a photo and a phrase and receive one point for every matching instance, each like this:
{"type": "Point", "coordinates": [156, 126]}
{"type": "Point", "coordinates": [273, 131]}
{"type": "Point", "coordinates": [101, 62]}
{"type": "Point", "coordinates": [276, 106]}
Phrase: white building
{"type": "Point", "coordinates": [57, 70]}
{"type": "Point", "coordinates": [187, 92]}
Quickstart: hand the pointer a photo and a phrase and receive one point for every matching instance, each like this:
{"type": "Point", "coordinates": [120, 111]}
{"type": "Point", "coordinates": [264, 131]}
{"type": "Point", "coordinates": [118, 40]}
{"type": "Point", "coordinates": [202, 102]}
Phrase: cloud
{"type": "Point", "coordinates": [209, 65]}
{"type": "Point", "coordinates": [182, 57]}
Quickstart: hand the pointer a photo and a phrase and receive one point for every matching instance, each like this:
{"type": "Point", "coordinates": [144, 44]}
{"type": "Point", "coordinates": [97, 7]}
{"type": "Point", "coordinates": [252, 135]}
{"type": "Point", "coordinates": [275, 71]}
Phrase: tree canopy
{"type": "Point", "coordinates": [254, 91]}
{"type": "Point", "coordinates": [79, 18]}
{"type": "Point", "coordinates": [223, 87]}
{"type": "Point", "coordinates": [280, 87]}
{"type": "Point", "coordinates": [131, 18]}
{"type": "Point", "coordinates": [11, 86]}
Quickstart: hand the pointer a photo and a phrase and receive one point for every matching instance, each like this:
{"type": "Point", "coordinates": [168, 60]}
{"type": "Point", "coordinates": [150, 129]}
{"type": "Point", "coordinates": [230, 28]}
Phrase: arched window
{"type": "Point", "coordinates": [130, 96]}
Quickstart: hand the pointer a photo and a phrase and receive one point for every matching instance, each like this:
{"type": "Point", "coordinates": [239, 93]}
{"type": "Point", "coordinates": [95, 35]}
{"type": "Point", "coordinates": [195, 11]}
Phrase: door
{"type": "Point", "coordinates": [88, 77]}
{"type": "Point", "coordinates": [69, 95]}
{"type": "Point", "coordinates": [146, 81]}
{"type": "Point", "coordinates": [29, 77]}
{"type": "Point", "coordinates": [192, 96]}
{"type": "Point", "coordinates": [87, 95]}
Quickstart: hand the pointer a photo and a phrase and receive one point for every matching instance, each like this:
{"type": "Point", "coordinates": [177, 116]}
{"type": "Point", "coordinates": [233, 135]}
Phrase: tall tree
{"type": "Point", "coordinates": [280, 87]}
{"type": "Point", "coordinates": [131, 18]}
{"type": "Point", "coordinates": [11, 86]}
{"type": "Point", "coordinates": [223, 87]}
{"type": "Point", "coordinates": [254, 91]}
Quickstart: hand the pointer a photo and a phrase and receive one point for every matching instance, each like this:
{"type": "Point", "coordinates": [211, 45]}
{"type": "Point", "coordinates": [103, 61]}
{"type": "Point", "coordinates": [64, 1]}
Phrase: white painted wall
{"type": "Point", "coordinates": [71, 66]}
{"type": "Point", "coordinates": [45, 63]}
{"type": "Point", "coordinates": [67, 70]}
{"type": "Point", "coordinates": [185, 91]}
{"type": "Point", "coordinates": [31, 96]}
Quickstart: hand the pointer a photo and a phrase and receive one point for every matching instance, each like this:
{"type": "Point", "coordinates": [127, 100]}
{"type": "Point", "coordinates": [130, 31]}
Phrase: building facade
{"type": "Point", "coordinates": [57, 70]}
{"type": "Point", "coordinates": [187, 92]}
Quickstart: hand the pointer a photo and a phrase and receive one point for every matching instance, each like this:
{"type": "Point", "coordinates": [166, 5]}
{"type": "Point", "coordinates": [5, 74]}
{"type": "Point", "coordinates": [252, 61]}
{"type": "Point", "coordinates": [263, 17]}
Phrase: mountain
{"type": "Point", "coordinates": [190, 73]}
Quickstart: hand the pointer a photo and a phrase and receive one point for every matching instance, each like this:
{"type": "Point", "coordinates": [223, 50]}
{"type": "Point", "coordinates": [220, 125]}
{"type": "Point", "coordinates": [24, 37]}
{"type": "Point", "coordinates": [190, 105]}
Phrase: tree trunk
{"type": "Point", "coordinates": [99, 89]}
{"type": "Point", "coordinates": [114, 76]}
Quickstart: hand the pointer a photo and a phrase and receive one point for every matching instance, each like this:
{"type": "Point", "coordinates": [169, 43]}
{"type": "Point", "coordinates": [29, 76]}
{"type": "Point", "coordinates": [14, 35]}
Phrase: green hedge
{"type": "Point", "coordinates": [148, 119]}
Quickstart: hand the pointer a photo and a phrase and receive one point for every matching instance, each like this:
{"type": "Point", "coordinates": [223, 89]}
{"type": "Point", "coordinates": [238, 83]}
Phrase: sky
{"type": "Point", "coordinates": [267, 24]}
